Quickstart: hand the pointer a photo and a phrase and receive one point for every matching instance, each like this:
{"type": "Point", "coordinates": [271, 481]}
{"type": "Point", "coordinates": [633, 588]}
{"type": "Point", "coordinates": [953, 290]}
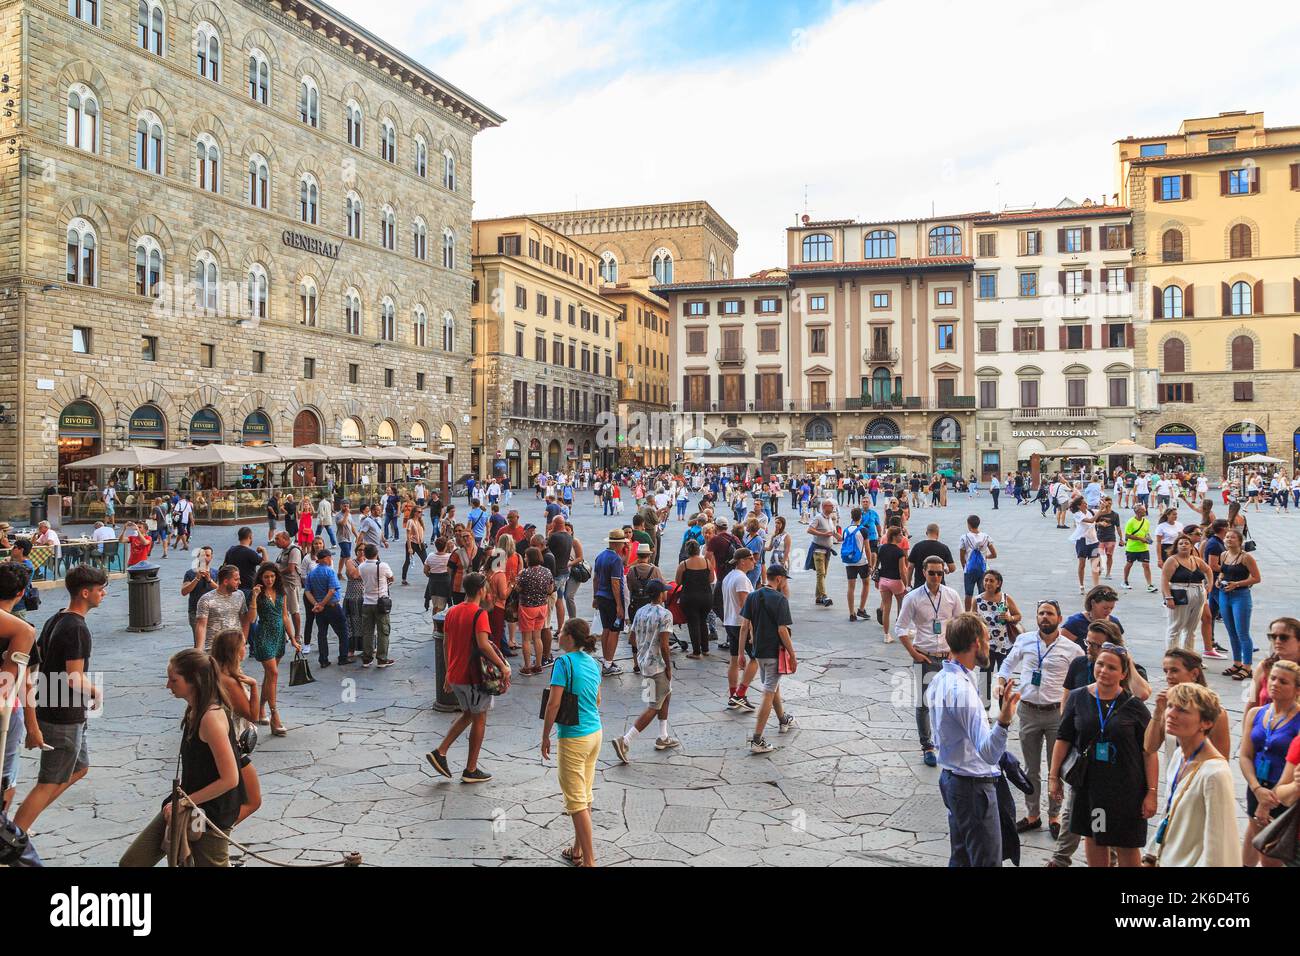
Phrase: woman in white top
{"type": "Point", "coordinates": [1167, 533]}
{"type": "Point", "coordinates": [1202, 487]}
{"type": "Point", "coordinates": [1198, 825]}
{"type": "Point", "coordinates": [1084, 538]}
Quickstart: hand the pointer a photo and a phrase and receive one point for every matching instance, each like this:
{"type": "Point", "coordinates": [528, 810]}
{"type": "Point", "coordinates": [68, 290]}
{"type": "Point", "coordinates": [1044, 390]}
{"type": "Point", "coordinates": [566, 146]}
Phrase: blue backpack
{"type": "Point", "coordinates": [975, 562]}
{"type": "Point", "coordinates": [851, 547]}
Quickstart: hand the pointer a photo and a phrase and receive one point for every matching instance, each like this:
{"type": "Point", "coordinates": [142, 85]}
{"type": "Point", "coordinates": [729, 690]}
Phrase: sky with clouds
{"type": "Point", "coordinates": [872, 110]}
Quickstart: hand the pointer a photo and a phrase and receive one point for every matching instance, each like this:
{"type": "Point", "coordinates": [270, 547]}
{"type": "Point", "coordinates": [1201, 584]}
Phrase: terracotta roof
{"type": "Point", "coordinates": [882, 265]}
{"type": "Point", "coordinates": [1076, 212]}
{"type": "Point", "coordinates": [1217, 154]}
{"type": "Point", "coordinates": [752, 282]}
{"type": "Point", "coordinates": [888, 222]}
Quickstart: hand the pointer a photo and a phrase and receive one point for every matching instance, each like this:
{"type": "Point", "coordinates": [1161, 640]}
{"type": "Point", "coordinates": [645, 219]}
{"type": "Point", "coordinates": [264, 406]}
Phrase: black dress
{"type": "Point", "coordinates": [1108, 807]}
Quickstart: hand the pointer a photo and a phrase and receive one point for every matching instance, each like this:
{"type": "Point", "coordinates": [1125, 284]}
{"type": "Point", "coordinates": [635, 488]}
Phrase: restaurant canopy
{"type": "Point", "coordinates": [798, 454]}
{"type": "Point", "coordinates": [133, 457]}
{"type": "Point", "coordinates": [1126, 446]}
{"type": "Point", "coordinates": [1257, 460]}
{"type": "Point", "coordinates": [726, 455]}
{"type": "Point", "coordinates": [898, 451]}
{"type": "Point", "coordinates": [1172, 450]}
{"type": "Point", "coordinates": [205, 456]}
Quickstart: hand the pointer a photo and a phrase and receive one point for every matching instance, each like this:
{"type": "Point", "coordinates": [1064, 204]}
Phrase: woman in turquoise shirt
{"type": "Point", "coordinates": [578, 673]}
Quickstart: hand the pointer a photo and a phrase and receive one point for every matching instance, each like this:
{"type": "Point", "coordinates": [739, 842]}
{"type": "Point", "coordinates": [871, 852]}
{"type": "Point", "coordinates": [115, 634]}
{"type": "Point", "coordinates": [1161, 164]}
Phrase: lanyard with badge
{"type": "Point", "coordinates": [1101, 749]}
{"type": "Point", "coordinates": [1037, 677]}
{"type": "Point", "coordinates": [1173, 790]}
{"type": "Point", "coordinates": [1263, 761]}
{"type": "Point", "coordinates": [936, 625]}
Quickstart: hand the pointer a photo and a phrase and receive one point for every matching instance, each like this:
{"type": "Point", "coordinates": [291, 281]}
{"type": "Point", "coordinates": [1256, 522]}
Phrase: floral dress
{"type": "Point", "coordinates": [999, 641]}
{"type": "Point", "coordinates": [268, 643]}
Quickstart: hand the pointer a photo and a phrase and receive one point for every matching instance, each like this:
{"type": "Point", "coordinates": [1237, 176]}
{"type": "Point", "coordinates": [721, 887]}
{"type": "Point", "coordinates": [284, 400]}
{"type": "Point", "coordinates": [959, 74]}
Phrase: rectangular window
{"type": "Point", "coordinates": [557, 353]}
{"type": "Point", "coordinates": [987, 245]}
{"type": "Point", "coordinates": [1118, 392]}
{"type": "Point", "coordinates": [1074, 337]}
{"type": "Point", "coordinates": [447, 385]}
{"type": "Point", "coordinates": [880, 300]}
{"type": "Point", "coordinates": [1031, 242]}
{"type": "Point", "coordinates": [207, 355]}
{"type": "Point", "coordinates": [944, 297]}
{"type": "Point", "coordinates": [1171, 188]}
{"type": "Point", "coordinates": [989, 394]}
{"type": "Point", "coordinates": [573, 355]}
{"type": "Point", "coordinates": [519, 342]}
{"type": "Point", "coordinates": [1074, 282]}
{"type": "Point", "coordinates": [1028, 284]}
{"type": "Point", "coordinates": [388, 377]}
{"type": "Point", "coordinates": [1076, 390]}
{"type": "Point", "coordinates": [1029, 393]}
{"type": "Point", "coordinates": [309, 368]}
{"type": "Point", "coordinates": [419, 381]}
{"type": "Point", "coordinates": [81, 339]}
{"type": "Point", "coordinates": [573, 314]}
{"type": "Point", "coordinates": [1113, 237]}
{"type": "Point", "coordinates": [1115, 281]}
{"type": "Point", "coordinates": [1243, 391]}
{"type": "Point", "coordinates": [768, 340]}
{"type": "Point", "coordinates": [521, 297]}
{"type": "Point", "coordinates": [149, 348]}
{"type": "Point", "coordinates": [769, 306]}
{"type": "Point", "coordinates": [473, 292]}
{"type": "Point", "coordinates": [1073, 240]}
{"type": "Point", "coordinates": [817, 303]}
{"type": "Point", "coordinates": [1116, 336]}
{"type": "Point", "coordinates": [508, 245]}
{"type": "Point", "coordinates": [947, 338]}
{"type": "Point", "coordinates": [1219, 143]}
{"type": "Point", "coordinates": [696, 309]}
{"type": "Point", "coordinates": [543, 304]}
{"type": "Point", "coordinates": [730, 307]}
{"type": "Point", "coordinates": [259, 363]}
{"type": "Point", "coordinates": [1175, 393]}
{"type": "Point", "coordinates": [1239, 182]}
{"type": "Point", "coordinates": [816, 341]}
{"type": "Point", "coordinates": [988, 338]}
{"type": "Point", "coordinates": [354, 373]}
{"type": "Point", "coordinates": [1153, 149]}
{"type": "Point", "coordinates": [989, 285]}
{"type": "Point", "coordinates": [1028, 340]}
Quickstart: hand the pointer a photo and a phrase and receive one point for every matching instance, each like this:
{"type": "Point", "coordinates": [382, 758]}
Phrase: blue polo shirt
{"type": "Point", "coordinates": [477, 523]}
{"type": "Point", "coordinates": [319, 582]}
{"type": "Point", "coordinates": [871, 522]}
{"type": "Point", "coordinates": [607, 569]}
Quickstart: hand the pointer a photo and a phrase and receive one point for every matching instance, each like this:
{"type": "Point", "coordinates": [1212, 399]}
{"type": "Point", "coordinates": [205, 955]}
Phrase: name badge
{"type": "Point", "coordinates": [1264, 769]}
{"type": "Point", "coordinates": [1037, 679]}
{"type": "Point", "coordinates": [938, 627]}
{"type": "Point", "coordinates": [1102, 751]}
{"type": "Point", "coordinates": [1161, 830]}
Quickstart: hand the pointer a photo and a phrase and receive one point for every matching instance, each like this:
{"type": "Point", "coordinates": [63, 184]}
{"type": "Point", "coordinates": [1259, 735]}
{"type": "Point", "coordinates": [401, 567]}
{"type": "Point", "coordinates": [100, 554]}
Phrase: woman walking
{"type": "Point", "coordinates": [1238, 573]}
{"type": "Point", "coordinates": [354, 599]}
{"type": "Point", "coordinates": [1183, 580]}
{"type": "Point", "coordinates": [577, 673]}
{"type": "Point", "coordinates": [778, 548]}
{"type": "Point", "coordinates": [414, 541]}
{"type": "Point", "coordinates": [240, 691]}
{"type": "Point", "coordinates": [1167, 533]}
{"type": "Point", "coordinates": [209, 766]}
{"type": "Point", "coordinates": [1263, 754]}
{"type": "Point", "coordinates": [291, 517]}
{"type": "Point", "coordinates": [695, 578]}
{"type": "Point", "coordinates": [894, 571]}
{"type": "Point", "coordinates": [266, 644]}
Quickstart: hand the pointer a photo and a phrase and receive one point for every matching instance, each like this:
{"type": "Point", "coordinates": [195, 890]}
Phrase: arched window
{"type": "Point", "coordinates": [307, 302]}
{"type": "Point", "coordinates": [421, 157]}
{"type": "Point", "coordinates": [259, 182]}
{"type": "Point", "coordinates": [945, 241]}
{"type": "Point", "coordinates": [86, 10]}
{"type": "Point", "coordinates": [148, 266]}
{"type": "Point", "coordinates": [713, 267]}
{"type": "Point", "coordinates": [818, 248]}
{"type": "Point", "coordinates": [83, 118]}
{"type": "Point", "coordinates": [881, 386]}
{"type": "Point", "coordinates": [207, 43]}
{"type": "Point", "coordinates": [208, 169]}
{"type": "Point", "coordinates": [1243, 354]}
{"type": "Point", "coordinates": [149, 143]}
{"type": "Point", "coordinates": [355, 122]}
{"type": "Point", "coordinates": [308, 199]}
{"type": "Point", "coordinates": [726, 269]}
{"type": "Point", "coordinates": [448, 332]}
{"type": "Point", "coordinates": [388, 142]}
{"type": "Point", "coordinates": [662, 264]}
{"type": "Point", "coordinates": [819, 430]}
{"type": "Point", "coordinates": [387, 320]}
{"type": "Point", "coordinates": [1175, 356]}
{"type": "Point", "coordinates": [448, 249]}
{"type": "Point", "coordinates": [1171, 246]}
{"type": "Point", "coordinates": [258, 290]}
{"type": "Point", "coordinates": [609, 268]}
{"type": "Point", "coordinates": [149, 27]}
{"type": "Point", "coordinates": [206, 281]}
{"type": "Point", "coordinates": [1242, 299]}
{"type": "Point", "coordinates": [353, 210]}
{"type": "Point", "coordinates": [448, 170]}
{"type": "Point", "coordinates": [1240, 242]}
{"type": "Point", "coordinates": [1172, 302]}
{"type": "Point", "coordinates": [419, 327]}
{"type": "Point", "coordinates": [259, 77]}
{"type": "Point", "coordinates": [388, 228]}
{"type": "Point", "coordinates": [880, 244]}
{"type": "Point", "coordinates": [309, 102]}
{"type": "Point", "coordinates": [352, 312]}
{"type": "Point", "coordinates": [82, 249]}
{"type": "Point", "coordinates": [420, 239]}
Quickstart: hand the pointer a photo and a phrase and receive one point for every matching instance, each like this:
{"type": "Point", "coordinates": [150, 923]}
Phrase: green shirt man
{"type": "Point", "coordinates": [1137, 533]}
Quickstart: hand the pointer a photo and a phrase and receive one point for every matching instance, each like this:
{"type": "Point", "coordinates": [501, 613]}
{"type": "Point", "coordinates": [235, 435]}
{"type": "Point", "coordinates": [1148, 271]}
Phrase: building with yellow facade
{"type": "Point", "coordinates": [642, 364]}
{"type": "Point", "coordinates": [1216, 230]}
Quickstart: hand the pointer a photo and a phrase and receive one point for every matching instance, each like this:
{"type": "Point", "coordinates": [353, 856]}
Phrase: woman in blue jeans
{"type": "Point", "coordinates": [1238, 573]}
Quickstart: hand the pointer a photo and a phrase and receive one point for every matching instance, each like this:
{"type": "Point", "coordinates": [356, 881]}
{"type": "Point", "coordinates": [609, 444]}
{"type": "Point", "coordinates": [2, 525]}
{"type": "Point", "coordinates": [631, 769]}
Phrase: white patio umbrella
{"type": "Point", "coordinates": [420, 456]}
{"type": "Point", "coordinates": [899, 451]}
{"type": "Point", "coordinates": [1169, 448]}
{"type": "Point", "coordinates": [125, 458]}
{"type": "Point", "coordinates": [1069, 453]}
{"type": "Point", "coordinates": [1126, 446]}
{"type": "Point", "coordinates": [392, 453]}
{"type": "Point", "coordinates": [1258, 460]}
{"type": "Point", "coordinates": [207, 455]}
{"type": "Point", "coordinates": [798, 454]}
{"type": "Point", "coordinates": [327, 453]}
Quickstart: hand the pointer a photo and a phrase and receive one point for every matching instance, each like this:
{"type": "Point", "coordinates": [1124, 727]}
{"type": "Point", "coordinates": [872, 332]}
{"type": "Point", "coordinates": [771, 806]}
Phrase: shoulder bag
{"type": "Point", "coordinates": [1278, 840]}
{"type": "Point", "coordinates": [512, 606]}
{"type": "Point", "coordinates": [580, 572]}
{"type": "Point", "coordinates": [492, 680]}
{"type": "Point", "coordinates": [567, 715]}
{"type": "Point", "coordinates": [384, 604]}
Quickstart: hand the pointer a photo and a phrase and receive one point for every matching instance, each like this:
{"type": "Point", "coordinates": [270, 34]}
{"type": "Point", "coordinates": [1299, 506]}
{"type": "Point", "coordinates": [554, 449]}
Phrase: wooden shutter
{"type": "Point", "coordinates": [1155, 188]}
{"type": "Point", "coordinates": [1087, 273]}
{"type": "Point", "coordinates": [1060, 282]}
{"type": "Point", "coordinates": [1128, 237]}
{"type": "Point", "coordinates": [1189, 301]}
{"type": "Point", "coordinates": [686, 393]}
{"type": "Point", "coordinates": [1065, 338]}
{"type": "Point", "coordinates": [1226, 291]}
{"type": "Point", "coordinates": [1255, 176]}
{"type": "Point", "coordinates": [1060, 240]}
{"type": "Point", "coordinates": [1187, 393]}
{"type": "Point", "coordinates": [1022, 237]}
{"type": "Point", "coordinates": [686, 309]}
{"type": "Point", "coordinates": [778, 305]}
{"type": "Point", "coordinates": [1128, 278]}
{"type": "Point", "coordinates": [1175, 357]}
{"type": "Point", "coordinates": [1016, 333]}
{"type": "Point", "coordinates": [708, 389]}
{"type": "Point", "coordinates": [1087, 336]}
{"type": "Point", "coordinates": [741, 305]}
{"type": "Point", "coordinates": [740, 380]}
{"type": "Point", "coordinates": [780, 388]}
{"type": "Point", "coordinates": [1128, 335]}
{"type": "Point", "coordinates": [1187, 186]}
{"type": "Point", "coordinates": [1295, 351]}
{"type": "Point", "coordinates": [1225, 181]}
{"type": "Point", "coordinates": [1157, 302]}
{"type": "Point", "coordinates": [1257, 306]}
{"type": "Point", "coordinates": [1087, 238]}
{"type": "Point", "coordinates": [1295, 292]}
{"type": "Point", "coordinates": [1295, 175]}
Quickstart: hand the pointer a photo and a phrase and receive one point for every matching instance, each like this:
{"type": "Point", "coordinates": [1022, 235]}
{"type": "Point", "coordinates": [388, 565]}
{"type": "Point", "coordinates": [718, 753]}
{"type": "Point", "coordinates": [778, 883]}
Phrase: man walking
{"type": "Point", "coordinates": [370, 531]}
{"type": "Point", "coordinates": [765, 633]}
{"type": "Point", "coordinates": [325, 519]}
{"type": "Point", "coordinates": [652, 630]}
{"type": "Point", "coordinates": [736, 588]}
{"type": "Point", "coordinates": [969, 750]}
{"type": "Point", "coordinates": [1137, 546]}
{"type": "Point", "coordinates": [858, 555]}
{"type": "Point", "coordinates": [923, 620]}
{"type": "Point", "coordinates": [376, 608]}
{"type": "Point", "coordinates": [995, 490]}
{"type": "Point", "coordinates": [825, 532]}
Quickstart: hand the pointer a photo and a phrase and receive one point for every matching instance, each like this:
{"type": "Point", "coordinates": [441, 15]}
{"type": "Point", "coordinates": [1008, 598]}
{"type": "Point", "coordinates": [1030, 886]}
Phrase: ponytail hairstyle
{"type": "Point", "coordinates": [227, 651]}
{"type": "Point", "coordinates": [200, 672]}
{"type": "Point", "coordinates": [579, 632]}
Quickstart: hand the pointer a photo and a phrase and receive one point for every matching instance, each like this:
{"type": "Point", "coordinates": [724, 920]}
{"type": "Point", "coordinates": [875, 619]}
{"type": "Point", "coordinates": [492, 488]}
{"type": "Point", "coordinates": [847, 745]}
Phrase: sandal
{"type": "Point", "coordinates": [1243, 673]}
{"type": "Point", "coordinates": [570, 857]}
{"type": "Point", "coordinates": [1232, 671]}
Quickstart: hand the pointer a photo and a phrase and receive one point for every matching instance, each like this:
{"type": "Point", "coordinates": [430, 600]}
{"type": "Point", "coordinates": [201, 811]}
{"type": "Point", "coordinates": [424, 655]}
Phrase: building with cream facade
{"type": "Point", "coordinates": [544, 341]}
{"type": "Point", "coordinates": [1053, 334]}
{"type": "Point", "coordinates": [239, 222]}
{"type": "Point", "coordinates": [642, 361]}
{"type": "Point", "coordinates": [1216, 228]}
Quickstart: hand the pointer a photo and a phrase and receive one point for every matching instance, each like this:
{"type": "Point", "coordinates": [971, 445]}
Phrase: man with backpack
{"type": "Point", "coordinates": [639, 578]}
{"type": "Point", "coordinates": [859, 560]}
{"type": "Point", "coordinates": [975, 548]}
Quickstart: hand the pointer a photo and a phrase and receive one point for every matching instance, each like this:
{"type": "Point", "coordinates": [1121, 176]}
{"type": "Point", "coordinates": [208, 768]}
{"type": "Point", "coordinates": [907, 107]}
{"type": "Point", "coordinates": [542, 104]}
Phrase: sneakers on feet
{"type": "Point", "coordinates": [1214, 654]}
{"type": "Point", "coordinates": [439, 763]}
{"type": "Point", "coordinates": [620, 748]}
{"type": "Point", "coordinates": [757, 745]}
{"type": "Point", "coordinates": [930, 758]}
{"type": "Point", "coordinates": [1151, 589]}
{"type": "Point", "coordinates": [366, 663]}
{"type": "Point", "coordinates": [475, 776]}
{"type": "Point", "coordinates": [383, 662]}
{"type": "Point", "coordinates": [733, 702]}
{"type": "Point", "coordinates": [667, 743]}
{"type": "Point", "coordinates": [745, 704]}
{"type": "Point", "coordinates": [611, 670]}
{"type": "Point", "coordinates": [1127, 586]}
{"type": "Point", "coordinates": [787, 725]}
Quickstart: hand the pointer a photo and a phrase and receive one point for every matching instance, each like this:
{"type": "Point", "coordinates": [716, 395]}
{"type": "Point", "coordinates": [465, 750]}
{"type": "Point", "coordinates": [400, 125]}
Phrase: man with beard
{"type": "Point", "coordinates": [969, 749]}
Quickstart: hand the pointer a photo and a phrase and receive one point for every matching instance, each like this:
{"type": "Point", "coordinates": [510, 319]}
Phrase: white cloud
{"type": "Point", "coordinates": [882, 109]}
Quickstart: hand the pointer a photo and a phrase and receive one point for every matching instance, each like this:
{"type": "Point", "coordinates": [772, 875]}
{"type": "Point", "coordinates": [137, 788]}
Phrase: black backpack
{"type": "Point", "coordinates": [636, 586]}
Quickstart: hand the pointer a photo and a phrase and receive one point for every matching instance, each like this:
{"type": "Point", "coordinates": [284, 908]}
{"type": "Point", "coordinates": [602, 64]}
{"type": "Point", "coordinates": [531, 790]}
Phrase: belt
{"type": "Point", "coordinates": [1033, 706]}
{"type": "Point", "coordinates": [966, 776]}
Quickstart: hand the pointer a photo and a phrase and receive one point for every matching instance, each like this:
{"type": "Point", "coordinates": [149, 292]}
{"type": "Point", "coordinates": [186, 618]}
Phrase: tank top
{"type": "Point", "coordinates": [1184, 575]}
{"type": "Point", "coordinates": [697, 583]}
{"type": "Point", "coordinates": [1274, 743]}
{"type": "Point", "coordinates": [1234, 572]}
{"type": "Point", "coordinates": [199, 769]}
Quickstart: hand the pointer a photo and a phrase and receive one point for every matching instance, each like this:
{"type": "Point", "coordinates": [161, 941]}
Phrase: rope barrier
{"type": "Point", "coordinates": [350, 858]}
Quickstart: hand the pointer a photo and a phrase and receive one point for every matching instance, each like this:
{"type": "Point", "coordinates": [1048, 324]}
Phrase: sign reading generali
{"type": "Point", "coordinates": [317, 247]}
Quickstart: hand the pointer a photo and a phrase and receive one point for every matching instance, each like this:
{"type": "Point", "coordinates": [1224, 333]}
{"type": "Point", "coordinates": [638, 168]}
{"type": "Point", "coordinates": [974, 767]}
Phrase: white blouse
{"type": "Point", "coordinates": [1203, 828]}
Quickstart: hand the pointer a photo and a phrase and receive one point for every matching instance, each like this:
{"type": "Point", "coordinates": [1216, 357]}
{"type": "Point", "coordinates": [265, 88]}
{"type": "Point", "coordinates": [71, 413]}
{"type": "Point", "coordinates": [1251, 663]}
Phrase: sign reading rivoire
{"type": "Point", "coordinates": [317, 247]}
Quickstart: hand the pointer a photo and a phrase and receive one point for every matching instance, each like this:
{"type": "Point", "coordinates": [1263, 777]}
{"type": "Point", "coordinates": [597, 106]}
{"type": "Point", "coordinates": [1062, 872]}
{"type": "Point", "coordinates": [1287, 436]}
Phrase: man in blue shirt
{"type": "Point", "coordinates": [470, 484]}
{"type": "Point", "coordinates": [477, 519]}
{"type": "Point", "coordinates": [607, 580]}
{"type": "Point", "coordinates": [390, 515]}
{"type": "Point", "coordinates": [322, 591]}
{"type": "Point", "coordinates": [567, 493]}
{"type": "Point", "coordinates": [969, 750]}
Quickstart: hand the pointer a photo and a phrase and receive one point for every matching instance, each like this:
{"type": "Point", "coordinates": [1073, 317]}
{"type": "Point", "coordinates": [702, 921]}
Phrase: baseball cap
{"type": "Point", "coordinates": [657, 586]}
{"type": "Point", "coordinates": [777, 571]}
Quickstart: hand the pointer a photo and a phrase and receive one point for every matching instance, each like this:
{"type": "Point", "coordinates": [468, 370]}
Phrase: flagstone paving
{"type": "Point", "coordinates": [847, 788]}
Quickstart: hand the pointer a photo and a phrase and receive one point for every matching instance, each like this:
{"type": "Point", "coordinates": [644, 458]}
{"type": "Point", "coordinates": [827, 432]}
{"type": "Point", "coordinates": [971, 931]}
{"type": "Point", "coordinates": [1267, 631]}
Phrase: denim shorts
{"type": "Point", "coordinates": [69, 755]}
{"type": "Point", "coordinates": [13, 745]}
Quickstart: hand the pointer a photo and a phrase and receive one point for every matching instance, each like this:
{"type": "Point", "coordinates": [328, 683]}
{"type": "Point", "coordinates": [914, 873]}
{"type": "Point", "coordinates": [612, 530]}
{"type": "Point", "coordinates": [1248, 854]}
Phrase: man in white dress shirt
{"type": "Point", "coordinates": [969, 750]}
{"type": "Point", "coordinates": [922, 621]}
{"type": "Point", "coordinates": [1037, 667]}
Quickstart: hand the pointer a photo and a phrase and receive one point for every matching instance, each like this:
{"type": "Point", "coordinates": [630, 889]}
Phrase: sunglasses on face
{"type": "Point", "coordinates": [1052, 604]}
{"type": "Point", "coordinates": [1117, 649]}
{"type": "Point", "coordinates": [934, 574]}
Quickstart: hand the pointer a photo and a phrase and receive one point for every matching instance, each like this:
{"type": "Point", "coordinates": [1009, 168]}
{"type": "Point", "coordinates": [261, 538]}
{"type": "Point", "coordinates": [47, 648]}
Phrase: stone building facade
{"type": "Point", "coordinates": [668, 242]}
{"type": "Point", "coordinates": [1216, 228]}
{"type": "Point", "coordinates": [544, 342]}
{"type": "Point", "coordinates": [642, 363]}
{"type": "Point", "coordinates": [246, 221]}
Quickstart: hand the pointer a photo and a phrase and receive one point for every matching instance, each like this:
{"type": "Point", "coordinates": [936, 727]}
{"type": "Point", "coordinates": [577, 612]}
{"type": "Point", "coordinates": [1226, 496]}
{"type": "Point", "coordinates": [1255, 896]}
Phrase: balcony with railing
{"type": "Point", "coordinates": [730, 358]}
{"type": "Point", "coordinates": [885, 356]}
{"type": "Point", "coordinates": [1056, 413]}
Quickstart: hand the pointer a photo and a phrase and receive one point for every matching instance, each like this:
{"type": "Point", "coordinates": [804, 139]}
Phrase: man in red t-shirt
{"type": "Point", "coordinates": [465, 626]}
{"type": "Point", "coordinates": [515, 529]}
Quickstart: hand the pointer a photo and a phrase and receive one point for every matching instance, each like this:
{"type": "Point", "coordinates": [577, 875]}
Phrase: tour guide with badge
{"type": "Point", "coordinates": [922, 621]}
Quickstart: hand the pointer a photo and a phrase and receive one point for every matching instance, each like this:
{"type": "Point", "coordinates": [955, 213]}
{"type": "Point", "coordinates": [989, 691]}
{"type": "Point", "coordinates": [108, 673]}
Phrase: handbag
{"type": "Point", "coordinates": [31, 598]}
{"type": "Point", "coordinates": [512, 607]}
{"type": "Point", "coordinates": [384, 603]}
{"type": "Point", "coordinates": [300, 671]}
{"type": "Point", "coordinates": [567, 715]}
{"type": "Point", "coordinates": [248, 740]}
{"type": "Point", "coordinates": [580, 572]}
{"type": "Point", "coordinates": [492, 680]}
{"type": "Point", "coordinates": [1074, 770]}
{"type": "Point", "coordinates": [1278, 840]}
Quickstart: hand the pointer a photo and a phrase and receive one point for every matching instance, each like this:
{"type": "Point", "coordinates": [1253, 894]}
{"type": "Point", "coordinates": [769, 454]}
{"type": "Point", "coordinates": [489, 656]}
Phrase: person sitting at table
{"type": "Point", "coordinates": [101, 534]}
{"type": "Point", "coordinates": [5, 543]}
{"type": "Point", "coordinates": [138, 543]}
{"type": "Point", "coordinates": [47, 537]}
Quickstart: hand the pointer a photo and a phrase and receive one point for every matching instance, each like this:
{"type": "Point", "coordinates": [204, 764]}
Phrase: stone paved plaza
{"type": "Point", "coordinates": [846, 788]}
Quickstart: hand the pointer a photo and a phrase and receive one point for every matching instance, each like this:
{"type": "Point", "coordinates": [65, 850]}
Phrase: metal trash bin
{"type": "Point", "coordinates": [144, 597]}
{"type": "Point", "coordinates": [445, 702]}
{"type": "Point", "coordinates": [37, 513]}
